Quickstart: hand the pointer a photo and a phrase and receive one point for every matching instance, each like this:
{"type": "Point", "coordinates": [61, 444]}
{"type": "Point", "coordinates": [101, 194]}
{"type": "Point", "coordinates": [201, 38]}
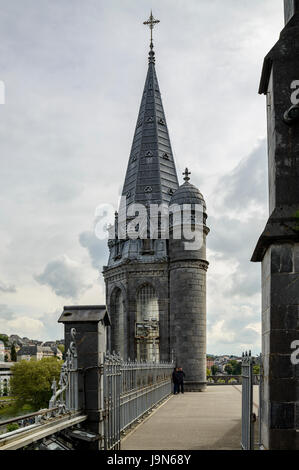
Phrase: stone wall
{"type": "Point", "coordinates": [280, 318]}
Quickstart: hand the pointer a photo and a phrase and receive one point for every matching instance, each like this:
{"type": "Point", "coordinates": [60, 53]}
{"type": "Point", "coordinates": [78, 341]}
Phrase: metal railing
{"type": "Point", "coordinates": [230, 379]}
{"type": "Point", "coordinates": [130, 390]}
{"type": "Point", "coordinates": [247, 439]}
{"type": "Point", "coordinates": [63, 403]}
{"type": "Point", "coordinates": [66, 397]}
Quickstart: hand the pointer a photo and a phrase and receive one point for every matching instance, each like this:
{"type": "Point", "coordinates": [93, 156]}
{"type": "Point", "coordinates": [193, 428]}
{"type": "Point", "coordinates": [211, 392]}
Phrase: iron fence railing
{"type": "Point", "coordinates": [230, 379]}
{"type": "Point", "coordinates": [130, 390]}
{"type": "Point", "coordinates": [66, 397]}
{"type": "Point", "coordinates": [247, 438]}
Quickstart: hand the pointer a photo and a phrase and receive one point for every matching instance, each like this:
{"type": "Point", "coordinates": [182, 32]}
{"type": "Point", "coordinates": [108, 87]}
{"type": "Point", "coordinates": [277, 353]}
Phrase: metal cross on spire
{"type": "Point", "coordinates": [186, 174]}
{"type": "Point", "coordinates": [151, 22]}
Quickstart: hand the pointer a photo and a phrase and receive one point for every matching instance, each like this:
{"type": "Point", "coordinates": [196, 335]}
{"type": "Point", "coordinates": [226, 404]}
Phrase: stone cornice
{"type": "Point", "coordinates": [199, 264]}
{"type": "Point", "coordinates": [282, 227]}
{"type": "Point", "coordinates": [136, 268]}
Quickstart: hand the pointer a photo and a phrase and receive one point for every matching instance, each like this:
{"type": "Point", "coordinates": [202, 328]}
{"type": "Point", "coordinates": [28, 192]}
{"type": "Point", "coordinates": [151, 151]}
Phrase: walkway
{"type": "Point", "coordinates": [193, 421]}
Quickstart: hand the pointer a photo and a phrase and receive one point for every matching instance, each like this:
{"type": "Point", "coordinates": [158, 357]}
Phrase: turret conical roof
{"type": "Point", "coordinates": [151, 176]}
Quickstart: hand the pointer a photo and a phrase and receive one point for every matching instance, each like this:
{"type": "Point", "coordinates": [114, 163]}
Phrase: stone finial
{"type": "Point", "coordinates": [186, 174]}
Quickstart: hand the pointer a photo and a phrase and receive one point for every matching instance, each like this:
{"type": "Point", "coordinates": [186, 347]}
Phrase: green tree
{"type": "Point", "coordinates": [4, 338]}
{"type": "Point", "coordinates": [229, 369]}
{"type": "Point", "coordinates": [208, 372]}
{"type": "Point", "coordinates": [214, 369]}
{"type": "Point", "coordinates": [233, 367]}
{"type": "Point", "coordinates": [12, 427]}
{"type": "Point", "coordinates": [256, 369]}
{"type": "Point", "coordinates": [237, 367]}
{"type": "Point", "coordinates": [13, 353]}
{"type": "Point", "coordinates": [31, 381]}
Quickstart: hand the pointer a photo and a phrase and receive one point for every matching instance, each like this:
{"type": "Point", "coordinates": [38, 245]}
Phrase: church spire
{"type": "Point", "coordinates": [151, 176]}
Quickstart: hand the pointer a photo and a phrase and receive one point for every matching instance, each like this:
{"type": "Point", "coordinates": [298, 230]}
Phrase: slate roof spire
{"type": "Point", "coordinates": [151, 176]}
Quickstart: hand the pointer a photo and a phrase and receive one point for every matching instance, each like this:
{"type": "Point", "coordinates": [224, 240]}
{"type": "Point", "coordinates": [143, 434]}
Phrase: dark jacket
{"type": "Point", "coordinates": [180, 374]}
{"type": "Point", "coordinates": [175, 377]}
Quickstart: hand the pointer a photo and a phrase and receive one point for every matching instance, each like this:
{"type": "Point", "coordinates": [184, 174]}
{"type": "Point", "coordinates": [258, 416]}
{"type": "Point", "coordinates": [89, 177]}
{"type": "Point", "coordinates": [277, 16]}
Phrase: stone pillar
{"type": "Point", "coordinates": [277, 248]}
{"type": "Point", "coordinates": [280, 314]}
{"type": "Point", "coordinates": [91, 324]}
{"type": "Point", "coordinates": [187, 286]}
{"type": "Point", "coordinates": [188, 321]}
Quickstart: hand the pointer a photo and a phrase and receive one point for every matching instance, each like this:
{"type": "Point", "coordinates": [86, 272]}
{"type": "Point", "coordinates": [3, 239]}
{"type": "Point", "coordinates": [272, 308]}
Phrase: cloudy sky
{"type": "Point", "coordinates": [74, 71]}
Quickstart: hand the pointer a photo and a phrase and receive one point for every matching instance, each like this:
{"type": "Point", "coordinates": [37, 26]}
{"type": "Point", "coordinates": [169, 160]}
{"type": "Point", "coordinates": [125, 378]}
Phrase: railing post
{"type": "Point", "coordinates": [247, 440]}
{"type": "Point", "coordinates": [91, 324]}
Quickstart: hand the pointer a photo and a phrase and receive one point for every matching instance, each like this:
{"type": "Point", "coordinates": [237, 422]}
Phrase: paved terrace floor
{"type": "Point", "coordinates": [193, 421]}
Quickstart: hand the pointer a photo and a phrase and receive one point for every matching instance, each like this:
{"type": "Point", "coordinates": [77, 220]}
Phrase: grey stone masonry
{"type": "Point", "coordinates": [91, 324]}
{"type": "Point", "coordinates": [129, 278]}
{"type": "Point", "coordinates": [188, 311]}
{"type": "Point", "coordinates": [278, 246]}
{"type": "Point", "coordinates": [280, 316]}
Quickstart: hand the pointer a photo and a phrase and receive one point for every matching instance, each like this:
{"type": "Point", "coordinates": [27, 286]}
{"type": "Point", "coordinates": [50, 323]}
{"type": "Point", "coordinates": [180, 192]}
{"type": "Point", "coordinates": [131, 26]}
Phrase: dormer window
{"type": "Point", "coordinates": [148, 189]}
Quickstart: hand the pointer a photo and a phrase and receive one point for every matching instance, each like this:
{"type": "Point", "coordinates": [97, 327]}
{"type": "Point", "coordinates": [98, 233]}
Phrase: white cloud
{"type": "Point", "coordinates": [219, 333]}
{"type": "Point", "coordinates": [64, 276]}
{"type": "Point", "coordinates": [257, 327]}
{"type": "Point", "coordinates": [9, 289]}
{"type": "Point", "coordinates": [24, 326]}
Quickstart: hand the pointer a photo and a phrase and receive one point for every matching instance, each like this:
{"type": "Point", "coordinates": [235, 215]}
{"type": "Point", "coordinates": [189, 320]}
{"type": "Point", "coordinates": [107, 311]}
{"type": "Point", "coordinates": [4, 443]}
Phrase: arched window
{"type": "Point", "coordinates": [147, 324]}
{"type": "Point", "coordinates": [119, 327]}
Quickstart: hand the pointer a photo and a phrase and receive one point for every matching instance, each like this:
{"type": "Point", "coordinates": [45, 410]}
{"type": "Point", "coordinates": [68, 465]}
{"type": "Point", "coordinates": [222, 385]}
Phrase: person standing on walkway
{"type": "Point", "coordinates": [175, 379]}
{"type": "Point", "coordinates": [181, 374]}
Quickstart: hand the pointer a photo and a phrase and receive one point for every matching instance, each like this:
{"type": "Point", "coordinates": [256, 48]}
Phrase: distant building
{"type": "Point", "coordinates": [49, 343]}
{"type": "Point", "coordinates": [210, 362]}
{"type": "Point", "coordinates": [29, 352]}
{"type": "Point", "coordinates": [37, 352]}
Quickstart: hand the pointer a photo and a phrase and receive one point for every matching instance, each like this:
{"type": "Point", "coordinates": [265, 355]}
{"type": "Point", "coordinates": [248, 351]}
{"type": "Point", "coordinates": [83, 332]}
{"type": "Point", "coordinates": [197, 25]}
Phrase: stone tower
{"type": "Point", "coordinates": [278, 246]}
{"type": "Point", "coordinates": [187, 276]}
{"type": "Point", "coordinates": [145, 271]}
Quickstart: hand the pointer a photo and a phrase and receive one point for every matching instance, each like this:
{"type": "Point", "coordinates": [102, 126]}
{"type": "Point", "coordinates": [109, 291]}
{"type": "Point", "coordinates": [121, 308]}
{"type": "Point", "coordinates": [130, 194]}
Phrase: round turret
{"type": "Point", "coordinates": [187, 193]}
{"type": "Point", "coordinates": [188, 267]}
